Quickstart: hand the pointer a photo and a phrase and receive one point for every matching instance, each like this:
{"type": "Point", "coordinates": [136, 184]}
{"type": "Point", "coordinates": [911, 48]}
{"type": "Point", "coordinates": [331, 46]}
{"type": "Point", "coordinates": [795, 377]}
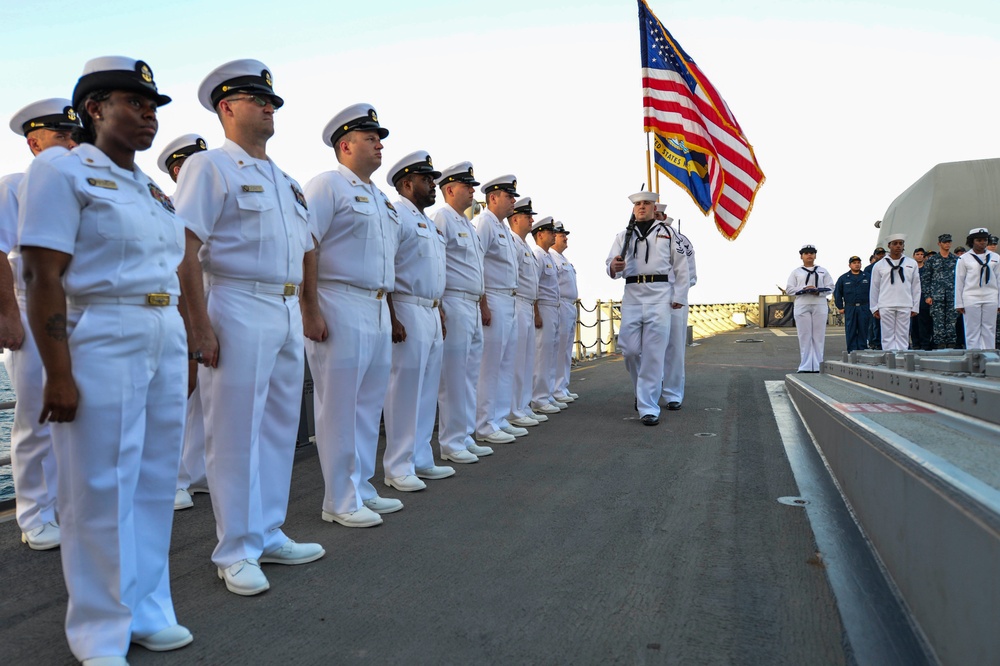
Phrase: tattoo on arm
{"type": "Point", "coordinates": [55, 327]}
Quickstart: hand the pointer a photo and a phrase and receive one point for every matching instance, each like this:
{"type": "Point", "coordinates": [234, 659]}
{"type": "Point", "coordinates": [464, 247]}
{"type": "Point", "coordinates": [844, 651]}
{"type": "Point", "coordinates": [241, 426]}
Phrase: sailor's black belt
{"type": "Point", "coordinates": [642, 279]}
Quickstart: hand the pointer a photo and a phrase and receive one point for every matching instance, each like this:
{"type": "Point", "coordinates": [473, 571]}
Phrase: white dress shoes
{"type": "Point", "coordinates": [245, 578]}
{"type": "Point", "coordinates": [560, 405]}
{"type": "Point", "coordinates": [406, 484]}
{"type": "Point", "coordinates": [105, 661]}
{"type": "Point", "coordinates": [575, 396]}
{"type": "Point", "coordinates": [383, 504]}
{"type": "Point", "coordinates": [565, 397]}
{"type": "Point", "coordinates": [437, 472]}
{"type": "Point", "coordinates": [294, 553]}
{"type": "Point", "coordinates": [514, 431]}
{"type": "Point", "coordinates": [523, 421]}
{"type": "Point", "coordinates": [182, 500]}
{"type": "Point", "coordinates": [547, 408]}
{"type": "Point", "coordinates": [480, 451]}
{"type": "Point", "coordinates": [164, 640]}
{"type": "Point", "coordinates": [464, 457]}
{"type": "Point", "coordinates": [541, 418]}
{"type": "Point", "coordinates": [496, 437]}
{"type": "Point", "coordinates": [363, 517]}
{"type": "Point", "coordinates": [43, 537]}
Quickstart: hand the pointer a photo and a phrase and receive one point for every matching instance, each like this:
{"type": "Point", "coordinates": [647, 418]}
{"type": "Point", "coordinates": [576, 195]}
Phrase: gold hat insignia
{"type": "Point", "coordinates": [71, 114]}
{"type": "Point", "coordinates": [372, 115]}
{"type": "Point", "coordinates": [267, 77]}
{"type": "Point", "coordinates": [146, 74]}
{"type": "Point", "coordinates": [201, 144]}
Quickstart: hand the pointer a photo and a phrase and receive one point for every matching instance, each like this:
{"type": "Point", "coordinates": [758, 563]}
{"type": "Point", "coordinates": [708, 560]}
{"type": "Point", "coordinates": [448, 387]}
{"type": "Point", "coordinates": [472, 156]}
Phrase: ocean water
{"type": "Point", "coordinates": [6, 421]}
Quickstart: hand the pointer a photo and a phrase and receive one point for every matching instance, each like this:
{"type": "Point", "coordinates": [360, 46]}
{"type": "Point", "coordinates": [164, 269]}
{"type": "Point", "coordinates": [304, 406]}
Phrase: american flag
{"type": "Point", "coordinates": [680, 103]}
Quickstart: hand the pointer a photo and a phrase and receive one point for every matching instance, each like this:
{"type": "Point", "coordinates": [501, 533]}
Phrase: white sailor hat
{"type": "Point", "coordinates": [355, 117]}
{"type": "Point", "coordinates": [808, 247]}
{"type": "Point", "coordinates": [661, 208]}
{"type": "Point", "coordinates": [560, 228]}
{"type": "Point", "coordinates": [117, 73]}
{"type": "Point", "coordinates": [55, 113]}
{"type": "Point", "coordinates": [523, 207]}
{"type": "Point", "coordinates": [506, 183]}
{"type": "Point", "coordinates": [543, 224]}
{"type": "Point", "coordinates": [979, 231]}
{"type": "Point", "coordinates": [894, 237]}
{"type": "Point", "coordinates": [644, 196]}
{"type": "Point", "coordinates": [179, 149]}
{"type": "Point", "coordinates": [237, 76]}
{"type": "Point", "coordinates": [416, 162]}
{"type": "Point", "coordinates": [458, 173]}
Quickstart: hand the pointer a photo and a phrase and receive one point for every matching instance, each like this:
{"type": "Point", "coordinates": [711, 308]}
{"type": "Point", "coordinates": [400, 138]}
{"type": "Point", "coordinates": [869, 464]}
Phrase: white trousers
{"type": "Point", "coordinates": [895, 328]}
{"type": "Point", "coordinates": [461, 357]}
{"type": "Point", "coordinates": [810, 326]}
{"type": "Point", "coordinates": [673, 362]}
{"type": "Point", "coordinates": [567, 331]}
{"type": "Point", "coordinates": [546, 355]}
{"type": "Point", "coordinates": [524, 361]}
{"type": "Point", "coordinates": [496, 371]}
{"type": "Point", "coordinates": [33, 463]}
{"type": "Point", "coordinates": [118, 466]}
{"type": "Point", "coordinates": [192, 471]}
{"type": "Point", "coordinates": [645, 329]}
{"type": "Point", "coordinates": [252, 405]}
{"type": "Point", "coordinates": [981, 326]}
{"type": "Point", "coordinates": [350, 375]}
{"type": "Point", "coordinates": [411, 399]}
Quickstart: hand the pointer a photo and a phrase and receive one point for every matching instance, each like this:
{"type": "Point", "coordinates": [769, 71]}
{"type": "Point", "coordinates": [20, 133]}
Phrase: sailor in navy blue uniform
{"type": "Point", "coordinates": [850, 295]}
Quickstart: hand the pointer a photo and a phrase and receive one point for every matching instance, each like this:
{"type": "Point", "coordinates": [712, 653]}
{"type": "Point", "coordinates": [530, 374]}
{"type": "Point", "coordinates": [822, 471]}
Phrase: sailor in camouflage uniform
{"type": "Point", "coordinates": [940, 271]}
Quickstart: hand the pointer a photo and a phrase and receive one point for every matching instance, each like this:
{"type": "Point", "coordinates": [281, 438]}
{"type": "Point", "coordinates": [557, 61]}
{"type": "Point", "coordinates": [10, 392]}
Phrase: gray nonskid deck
{"type": "Point", "coordinates": [592, 540]}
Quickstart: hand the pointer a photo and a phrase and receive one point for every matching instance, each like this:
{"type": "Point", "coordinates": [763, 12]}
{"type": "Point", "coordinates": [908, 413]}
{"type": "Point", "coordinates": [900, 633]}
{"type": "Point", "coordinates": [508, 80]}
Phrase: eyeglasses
{"type": "Point", "coordinates": [256, 99]}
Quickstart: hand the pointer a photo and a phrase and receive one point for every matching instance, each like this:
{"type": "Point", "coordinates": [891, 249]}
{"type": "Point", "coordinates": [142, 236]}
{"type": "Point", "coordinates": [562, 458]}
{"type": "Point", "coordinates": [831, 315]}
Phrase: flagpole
{"type": "Point", "coordinates": [657, 172]}
{"type": "Point", "coordinates": [649, 168]}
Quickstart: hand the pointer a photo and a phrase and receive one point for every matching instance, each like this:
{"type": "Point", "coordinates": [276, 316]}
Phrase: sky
{"type": "Point", "coordinates": [845, 103]}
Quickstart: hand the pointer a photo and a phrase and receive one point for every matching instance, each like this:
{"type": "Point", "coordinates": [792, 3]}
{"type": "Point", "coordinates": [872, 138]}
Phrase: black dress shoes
{"type": "Point", "coordinates": [650, 420]}
{"type": "Point", "coordinates": [673, 406]}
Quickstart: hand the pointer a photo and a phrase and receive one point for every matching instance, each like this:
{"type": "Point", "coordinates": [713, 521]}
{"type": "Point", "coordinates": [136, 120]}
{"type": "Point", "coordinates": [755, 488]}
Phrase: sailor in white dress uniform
{"type": "Point", "coordinates": [547, 308]}
{"type": "Point", "coordinates": [463, 346]}
{"type": "Point", "coordinates": [977, 291]}
{"type": "Point", "coordinates": [417, 330]}
{"type": "Point", "coordinates": [655, 270]}
{"type": "Point", "coordinates": [521, 414]}
{"type": "Point", "coordinates": [249, 231]}
{"type": "Point", "coordinates": [44, 124]}
{"type": "Point", "coordinates": [894, 294]}
{"type": "Point", "coordinates": [672, 394]}
{"type": "Point", "coordinates": [811, 286]}
{"type": "Point", "coordinates": [568, 296]}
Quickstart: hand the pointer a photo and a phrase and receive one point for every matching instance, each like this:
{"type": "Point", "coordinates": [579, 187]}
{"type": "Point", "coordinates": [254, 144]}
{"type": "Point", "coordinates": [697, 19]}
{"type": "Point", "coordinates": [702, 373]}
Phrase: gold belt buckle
{"type": "Point", "coordinates": [158, 300]}
{"type": "Point", "coordinates": [643, 279]}
{"type": "Point", "coordinates": [379, 294]}
{"type": "Point", "coordinates": [436, 302]}
{"type": "Point", "coordinates": [513, 292]}
{"type": "Point", "coordinates": [289, 290]}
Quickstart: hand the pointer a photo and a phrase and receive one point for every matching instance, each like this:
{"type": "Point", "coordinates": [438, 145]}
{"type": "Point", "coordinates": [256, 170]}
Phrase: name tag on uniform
{"type": "Point", "coordinates": [390, 207]}
{"type": "Point", "coordinates": [502, 236]}
{"type": "Point", "coordinates": [361, 199]}
{"type": "Point", "coordinates": [253, 188]}
{"type": "Point", "coordinates": [663, 236]}
{"type": "Point", "coordinates": [100, 182]}
{"type": "Point", "coordinates": [463, 234]}
{"type": "Point", "coordinates": [421, 225]}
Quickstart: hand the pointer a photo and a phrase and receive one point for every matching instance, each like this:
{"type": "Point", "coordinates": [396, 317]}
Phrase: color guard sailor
{"type": "Point", "coordinates": [191, 478]}
{"type": "Point", "coordinates": [100, 245]}
{"type": "Point", "coordinates": [248, 225]}
{"type": "Point", "coordinates": [418, 330]}
{"type": "Point", "coordinates": [672, 393]}
{"type": "Point", "coordinates": [496, 373]}
{"type": "Point", "coordinates": [358, 232]}
{"type": "Point", "coordinates": [655, 269]}
{"type": "Point", "coordinates": [463, 346]}
{"type": "Point", "coordinates": [894, 295]}
{"type": "Point", "coordinates": [977, 291]}
{"type": "Point", "coordinates": [547, 313]}
{"type": "Point", "coordinates": [44, 124]}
